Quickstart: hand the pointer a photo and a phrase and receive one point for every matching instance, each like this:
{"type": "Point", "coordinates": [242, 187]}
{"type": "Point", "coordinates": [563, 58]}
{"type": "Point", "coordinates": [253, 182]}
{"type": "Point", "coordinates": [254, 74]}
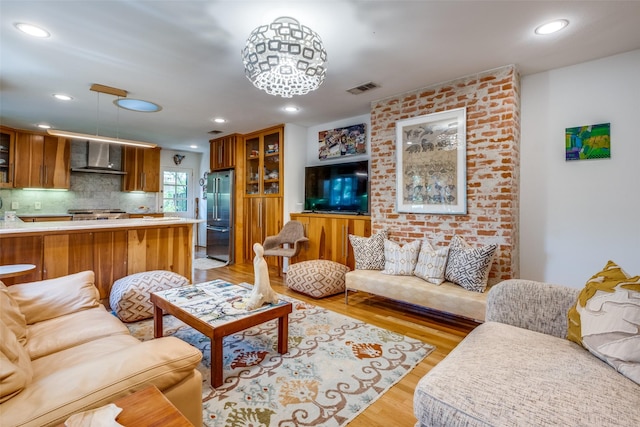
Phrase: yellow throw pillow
{"type": "Point", "coordinates": [606, 319]}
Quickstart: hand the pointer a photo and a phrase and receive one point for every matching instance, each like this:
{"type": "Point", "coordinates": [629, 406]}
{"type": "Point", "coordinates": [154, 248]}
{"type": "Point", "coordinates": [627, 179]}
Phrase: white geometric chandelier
{"type": "Point", "coordinates": [285, 58]}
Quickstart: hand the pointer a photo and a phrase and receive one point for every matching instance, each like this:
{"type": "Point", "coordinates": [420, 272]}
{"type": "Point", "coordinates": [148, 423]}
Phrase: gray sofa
{"type": "Point", "coordinates": [517, 369]}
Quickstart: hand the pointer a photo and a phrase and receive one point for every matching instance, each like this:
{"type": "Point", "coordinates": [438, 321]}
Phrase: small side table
{"type": "Point", "coordinates": [148, 407]}
{"type": "Point", "coordinates": [15, 270]}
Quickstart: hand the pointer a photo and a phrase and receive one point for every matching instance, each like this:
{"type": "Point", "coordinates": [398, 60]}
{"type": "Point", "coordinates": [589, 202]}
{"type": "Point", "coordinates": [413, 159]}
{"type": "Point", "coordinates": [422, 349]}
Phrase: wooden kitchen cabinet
{"type": "Point", "coordinates": [329, 236]}
{"type": "Point", "coordinates": [142, 167]}
{"type": "Point", "coordinates": [261, 178]}
{"type": "Point", "coordinates": [22, 250]}
{"type": "Point", "coordinates": [7, 162]}
{"type": "Point", "coordinates": [263, 168]}
{"type": "Point", "coordinates": [41, 161]}
{"type": "Point", "coordinates": [103, 252]}
{"type": "Point", "coordinates": [262, 218]}
{"type": "Point", "coordinates": [222, 152]}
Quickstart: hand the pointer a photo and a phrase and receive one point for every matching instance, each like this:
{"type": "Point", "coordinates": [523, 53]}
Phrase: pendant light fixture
{"type": "Point", "coordinates": [285, 58]}
{"type": "Point", "coordinates": [88, 137]}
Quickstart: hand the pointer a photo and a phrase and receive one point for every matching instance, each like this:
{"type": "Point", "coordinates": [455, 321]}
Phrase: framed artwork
{"type": "Point", "coordinates": [346, 141]}
{"type": "Point", "coordinates": [431, 163]}
{"type": "Point", "coordinates": [588, 142]}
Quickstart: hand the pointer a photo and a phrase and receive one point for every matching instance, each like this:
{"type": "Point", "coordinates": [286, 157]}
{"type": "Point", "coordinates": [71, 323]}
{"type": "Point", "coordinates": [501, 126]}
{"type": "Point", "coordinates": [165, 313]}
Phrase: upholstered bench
{"type": "Point", "coordinates": [317, 278]}
{"type": "Point", "coordinates": [129, 297]}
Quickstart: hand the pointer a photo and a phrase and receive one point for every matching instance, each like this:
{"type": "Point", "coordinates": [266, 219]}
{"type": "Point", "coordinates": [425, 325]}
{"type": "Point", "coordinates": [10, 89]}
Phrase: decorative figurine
{"type": "Point", "coordinates": [262, 292]}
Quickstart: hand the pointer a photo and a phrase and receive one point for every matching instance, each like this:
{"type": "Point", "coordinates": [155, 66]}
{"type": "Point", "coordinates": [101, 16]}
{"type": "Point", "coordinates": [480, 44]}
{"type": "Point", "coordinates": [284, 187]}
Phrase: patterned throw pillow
{"type": "Point", "coordinates": [400, 260]}
{"type": "Point", "coordinates": [606, 319]}
{"type": "Point", "coordinates": [431, 263]}
{"type": "Point", "coordinates": [467, 266]}
{"type": "Point", "coordinates": [369, 251]}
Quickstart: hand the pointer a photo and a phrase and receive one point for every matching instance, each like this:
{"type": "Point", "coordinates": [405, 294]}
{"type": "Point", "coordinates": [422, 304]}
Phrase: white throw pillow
{"type": "Point", "coordinates": [400, 260]}
{"type": "Point", "coordinates": [467, 266]}
{"type": "Point", "coordinates": [431, 263]}
{"type": "Point", "coordinates": [369, 251]}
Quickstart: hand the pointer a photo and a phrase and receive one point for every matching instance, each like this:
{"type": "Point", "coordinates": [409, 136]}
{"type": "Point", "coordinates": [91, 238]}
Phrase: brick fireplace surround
{"type": "Point", "coordinates": [492, 102]}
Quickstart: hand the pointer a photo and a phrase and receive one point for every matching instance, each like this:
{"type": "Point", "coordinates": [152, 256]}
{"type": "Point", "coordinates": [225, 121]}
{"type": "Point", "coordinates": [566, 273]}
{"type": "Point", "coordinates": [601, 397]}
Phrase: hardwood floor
{"type": "Point", "coordinates": [394, 408]}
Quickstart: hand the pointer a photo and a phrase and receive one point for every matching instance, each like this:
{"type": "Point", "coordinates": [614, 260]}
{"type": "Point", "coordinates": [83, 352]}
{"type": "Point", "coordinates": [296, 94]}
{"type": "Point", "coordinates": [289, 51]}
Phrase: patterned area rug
{"type": "Point", "coordinates": [336, 367]}
{"type": "Point", "coordinates": [207, 263]}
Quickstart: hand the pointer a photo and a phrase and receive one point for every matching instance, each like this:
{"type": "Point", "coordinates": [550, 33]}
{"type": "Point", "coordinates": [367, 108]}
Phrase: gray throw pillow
{"type": "Point", "coordinates": [469, 267]}
{"type": "Point", "coordinates": [369, 251]}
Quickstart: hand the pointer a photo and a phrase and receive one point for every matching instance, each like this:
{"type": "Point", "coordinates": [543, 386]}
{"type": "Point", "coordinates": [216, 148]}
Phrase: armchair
{"type": "Point", "coordinates": [287, 243]}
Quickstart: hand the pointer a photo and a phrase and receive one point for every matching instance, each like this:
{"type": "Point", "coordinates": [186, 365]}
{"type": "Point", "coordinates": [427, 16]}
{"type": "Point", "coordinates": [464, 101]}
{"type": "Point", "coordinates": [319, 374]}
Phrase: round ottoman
{"type": "Point", "coordinates": [317, 278]}
{"type": "Point", "coordinates": [129, 296]}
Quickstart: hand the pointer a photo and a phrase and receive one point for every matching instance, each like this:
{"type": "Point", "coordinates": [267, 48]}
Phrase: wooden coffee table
{"type": "Point", "coordinates": [215, 309]}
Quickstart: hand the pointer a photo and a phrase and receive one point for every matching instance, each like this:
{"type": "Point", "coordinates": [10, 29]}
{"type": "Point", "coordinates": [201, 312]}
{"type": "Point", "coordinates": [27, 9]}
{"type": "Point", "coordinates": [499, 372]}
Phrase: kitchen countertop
{"type": "Point", "coordinates": [16, 227]}
{"type": "Point", "coordinates": [44, 215]}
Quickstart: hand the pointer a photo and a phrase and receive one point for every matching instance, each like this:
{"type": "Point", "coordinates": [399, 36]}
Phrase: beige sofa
{"type": "Point", "coordinates": [517, 369]}
{"type": "Point", "coordinates": [446, 297]}
{"type": "Point", "coordinates": [63, 353]}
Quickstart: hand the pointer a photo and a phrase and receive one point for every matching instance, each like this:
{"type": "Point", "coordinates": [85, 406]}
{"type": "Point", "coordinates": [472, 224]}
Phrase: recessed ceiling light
{"type": "Point", "coordinates": [44, 126]}
{"type": "Point", "coordinates": [551, 27]}
{"type": "Point", "coordinates": [219, 120]}
{"type": "Point", "coordinates": [193, 146]}
{"type": "Point", "coordinates": [62, 97]}
{"type": "Point", "coordinates": [32, 30]}
{"type": "Point", "coordinates": [291, 109]}
{"type": "Point", "coordinates": [137, 105]}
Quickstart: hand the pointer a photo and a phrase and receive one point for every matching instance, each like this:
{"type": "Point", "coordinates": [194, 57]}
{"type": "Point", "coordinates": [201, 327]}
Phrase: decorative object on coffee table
{"type": "Point", "coordinates": [262, 292]}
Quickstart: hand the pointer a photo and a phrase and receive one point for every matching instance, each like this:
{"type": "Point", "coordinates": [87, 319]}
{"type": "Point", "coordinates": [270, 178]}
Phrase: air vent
{"type": "Point", "coordinates": [363, 88]}
{"type": "Point", "coordinates": [214, 132]}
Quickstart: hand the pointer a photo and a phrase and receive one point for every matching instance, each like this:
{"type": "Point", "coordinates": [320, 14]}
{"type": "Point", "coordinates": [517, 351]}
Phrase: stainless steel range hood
{"type": "Point", "coordinates": [98, 160]}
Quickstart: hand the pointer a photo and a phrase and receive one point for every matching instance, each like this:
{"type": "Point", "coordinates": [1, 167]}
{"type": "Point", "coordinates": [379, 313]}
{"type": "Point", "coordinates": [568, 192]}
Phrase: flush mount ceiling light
{"type": "Point", "coordinates": [62, 97]}
{"type": "Point", "coordinates": [551, 27]}
{"type": "Point", "coordinates": [32, 30]}
{"type": "Point", "coordinates": [285, 58]}
{"type": "Point", "coordinates": [88, 137]}
{"type": "Point", "coordinates": [219, 120]}
{"type": "Point", "coordinates": [137, 105]}
{"type": "Point", "coordinates": [291, 109]}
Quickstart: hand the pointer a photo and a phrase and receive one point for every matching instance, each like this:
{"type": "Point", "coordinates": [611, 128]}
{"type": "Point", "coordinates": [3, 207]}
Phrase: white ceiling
{"type": "Point", "coordinates": [185, 56]}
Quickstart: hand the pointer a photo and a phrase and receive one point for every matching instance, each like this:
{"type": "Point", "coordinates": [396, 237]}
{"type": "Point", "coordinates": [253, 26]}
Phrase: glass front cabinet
{"type": "Point", "coordinates": [263, 163]}
{"type": "Point", "coordinates": [7, 146]}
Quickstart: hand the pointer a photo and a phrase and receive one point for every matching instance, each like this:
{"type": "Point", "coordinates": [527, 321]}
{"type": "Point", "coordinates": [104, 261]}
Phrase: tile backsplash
{"type": "Point", "coordinates": [87, 191]}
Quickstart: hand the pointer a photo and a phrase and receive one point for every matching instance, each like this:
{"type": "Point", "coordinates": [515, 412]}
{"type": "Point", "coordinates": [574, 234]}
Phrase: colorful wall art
{"type": "Point", "coordinates": [346, 141]}
{"type": "Point", "coordinates": [588, 142]}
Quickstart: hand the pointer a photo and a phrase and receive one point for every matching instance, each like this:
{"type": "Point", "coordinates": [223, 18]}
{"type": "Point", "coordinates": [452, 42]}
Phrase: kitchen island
{"type": "Point", "coordinates": [111, 248]}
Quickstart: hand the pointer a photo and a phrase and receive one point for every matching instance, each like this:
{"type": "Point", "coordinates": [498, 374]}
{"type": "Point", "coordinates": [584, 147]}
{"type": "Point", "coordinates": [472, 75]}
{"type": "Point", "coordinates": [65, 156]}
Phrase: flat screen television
{"type": "Point", "coordinates": [337, 188]}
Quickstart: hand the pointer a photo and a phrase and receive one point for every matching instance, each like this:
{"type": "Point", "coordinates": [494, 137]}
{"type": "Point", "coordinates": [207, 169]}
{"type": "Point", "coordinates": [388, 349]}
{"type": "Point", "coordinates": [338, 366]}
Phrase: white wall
{"type": "Point", "coordinates": [576, 215]}
{"type": "Point", "coordinates": [295, 144]}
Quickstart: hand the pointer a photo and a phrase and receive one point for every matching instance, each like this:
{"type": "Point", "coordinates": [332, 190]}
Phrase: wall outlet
{"type": "Point", "coordinates": [37, 205]}
{"type": "Point", "coordinates": [15, 205]}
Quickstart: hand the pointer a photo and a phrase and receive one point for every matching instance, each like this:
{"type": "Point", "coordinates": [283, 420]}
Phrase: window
{"type": "Point", "coordinates": [175, 187]}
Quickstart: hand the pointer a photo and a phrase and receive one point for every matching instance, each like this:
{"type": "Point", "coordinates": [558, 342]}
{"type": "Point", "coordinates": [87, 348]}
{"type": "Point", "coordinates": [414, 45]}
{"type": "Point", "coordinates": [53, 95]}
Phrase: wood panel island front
{"type": "Point", "coordinates": [111, 248]}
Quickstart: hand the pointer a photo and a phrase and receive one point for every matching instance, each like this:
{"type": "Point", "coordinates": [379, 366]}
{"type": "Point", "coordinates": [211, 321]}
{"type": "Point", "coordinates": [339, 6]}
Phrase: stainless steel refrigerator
{"type": "Point", "coordinates": [220, 216]}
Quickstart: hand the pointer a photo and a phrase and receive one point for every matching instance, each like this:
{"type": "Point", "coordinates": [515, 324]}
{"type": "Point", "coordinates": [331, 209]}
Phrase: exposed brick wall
{"type": "Point", "coordinates": [492, 101]}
